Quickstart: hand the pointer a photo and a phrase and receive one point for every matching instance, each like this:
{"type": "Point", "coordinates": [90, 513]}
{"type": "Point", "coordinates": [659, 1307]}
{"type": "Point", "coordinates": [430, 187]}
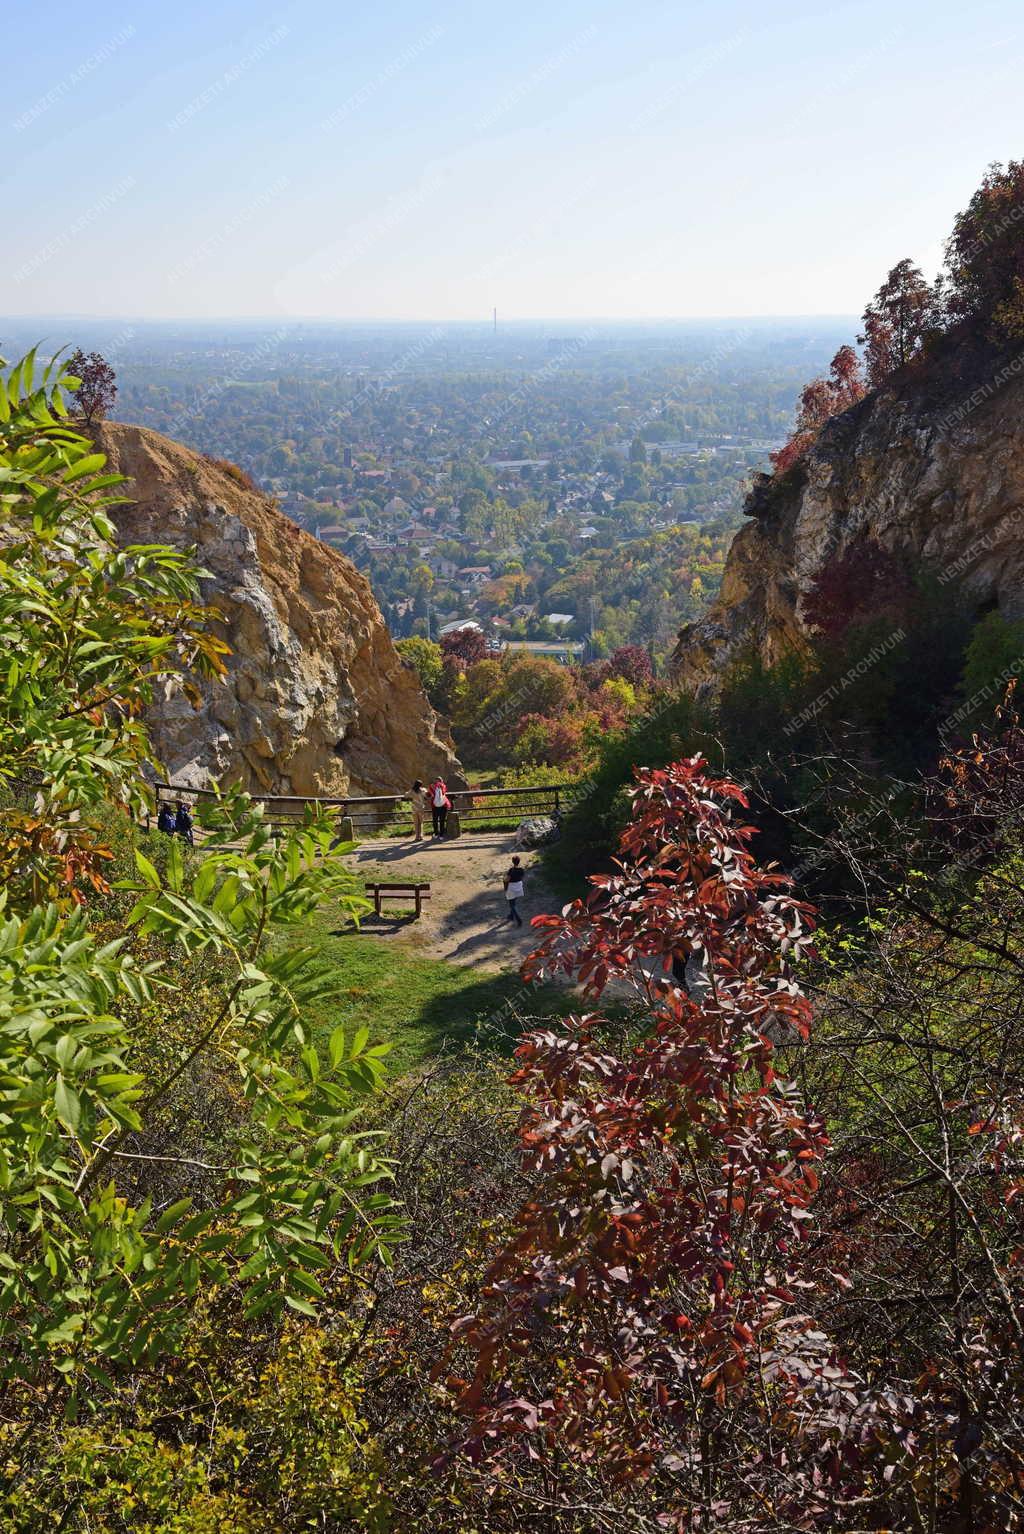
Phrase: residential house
{"type": "Point", "coordinates": [458, 626]}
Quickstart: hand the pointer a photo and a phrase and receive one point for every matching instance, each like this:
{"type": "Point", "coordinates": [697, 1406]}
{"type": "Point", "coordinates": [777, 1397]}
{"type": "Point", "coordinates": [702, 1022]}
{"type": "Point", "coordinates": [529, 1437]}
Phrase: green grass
{"type": "Point", "coordinates": [421, 1006]}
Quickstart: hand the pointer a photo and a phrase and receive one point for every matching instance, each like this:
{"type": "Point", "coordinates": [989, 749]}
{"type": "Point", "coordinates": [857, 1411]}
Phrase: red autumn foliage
{"type": "Point", "coordinates": [846, 382]}
{"type": "Point", "coordinates": [821, 399]}
{"type": "Point", "coordinates": [979, 297]}
{"type": "Point", "coordinates": [556, 740]}
{"type": "Point", "coordinates": [97, 388]}
{"type": "Point", "coordinates": [658, 1259]}
{"type": "Point", "coordinates": [630, 661]}
{"type": "Point", "coordinates": [792, 452]}
{"type": "Point", "coordinates": [462, 648]}
{"type": "Point", "coordinates": [633, 663]}
{"type": "Point", "coordinates": [896, 322]}
{"type": "Point", "coordinates": [865, 581]}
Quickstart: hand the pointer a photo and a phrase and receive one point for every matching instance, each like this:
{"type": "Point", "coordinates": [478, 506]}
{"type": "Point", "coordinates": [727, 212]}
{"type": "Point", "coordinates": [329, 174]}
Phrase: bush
{"type": "Point", "coordinates": [536, 775]}
{"type": "Point", "coordinates": [168, 1128]}
{"type": "Point", "coordinates": [232, 470]}
{"type": "Point", "coordinates": [994, 655]}
{"type": "Point", "coordinates": [426, 660]}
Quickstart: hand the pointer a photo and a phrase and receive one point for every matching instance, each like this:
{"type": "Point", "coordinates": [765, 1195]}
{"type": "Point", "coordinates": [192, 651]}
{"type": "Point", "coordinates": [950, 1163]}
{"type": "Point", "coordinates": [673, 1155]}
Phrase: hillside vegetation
{"type": "Point", "coordinates": [737, 1246]}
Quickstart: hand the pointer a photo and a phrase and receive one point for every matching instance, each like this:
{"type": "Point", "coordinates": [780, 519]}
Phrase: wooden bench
{"type": "Point", "coordinates": [415, 892]}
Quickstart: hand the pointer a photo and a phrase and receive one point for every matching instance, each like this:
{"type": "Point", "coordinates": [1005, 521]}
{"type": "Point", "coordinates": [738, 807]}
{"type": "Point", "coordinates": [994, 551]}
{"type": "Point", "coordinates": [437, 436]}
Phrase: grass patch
{"type": "Point", "coordinates": [422, 1006]}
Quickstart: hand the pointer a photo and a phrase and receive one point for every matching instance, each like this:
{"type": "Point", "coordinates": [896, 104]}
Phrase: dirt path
{"type": "Point", "coordinates": [465, 920]}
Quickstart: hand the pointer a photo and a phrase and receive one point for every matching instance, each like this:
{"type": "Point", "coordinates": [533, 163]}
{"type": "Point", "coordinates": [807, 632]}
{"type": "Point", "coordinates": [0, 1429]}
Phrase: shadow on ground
{"type": "Point", "coordinates": [491, 1015]}
{"type": "Point", "coordinates": [427, 1007]}
{"type": "Point", "coordinates": [466, 919]}
{"type": "Point", "coordinates": [398, 852]}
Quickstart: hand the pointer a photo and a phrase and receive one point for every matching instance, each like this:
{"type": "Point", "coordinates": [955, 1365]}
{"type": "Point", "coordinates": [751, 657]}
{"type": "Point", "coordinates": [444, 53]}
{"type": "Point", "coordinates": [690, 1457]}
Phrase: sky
{"type": "Point", "coordinates": [322, 158]}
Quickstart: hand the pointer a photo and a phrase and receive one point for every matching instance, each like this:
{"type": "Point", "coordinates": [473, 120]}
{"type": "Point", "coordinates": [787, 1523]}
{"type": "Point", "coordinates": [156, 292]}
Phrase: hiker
{"type": "Point", "coordinates": [440, 804]}
{"type": "Point", "coordinates": [691, 974]}
{"type": "Point", "coordinates": [183, 823]}
{"type": "Point", "coordinates": [165, 818]}
{"type": "Point", "coordinates": [420, 800]}
{"type": "Point", "coordinates": [514, 890]}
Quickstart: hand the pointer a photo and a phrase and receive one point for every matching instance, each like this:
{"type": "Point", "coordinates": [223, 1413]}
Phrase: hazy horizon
{"type": "Point", "coordinates": [484, 322]}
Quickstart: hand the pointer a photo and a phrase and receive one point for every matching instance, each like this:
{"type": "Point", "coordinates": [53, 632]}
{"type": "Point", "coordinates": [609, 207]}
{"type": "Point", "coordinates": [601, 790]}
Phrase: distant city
{"type": "Point", "coordinates": [527, 479]}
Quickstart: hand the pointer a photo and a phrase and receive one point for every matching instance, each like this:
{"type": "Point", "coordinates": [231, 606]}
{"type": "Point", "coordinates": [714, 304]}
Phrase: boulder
{"type": "Point", "coordinates": [537, 831]}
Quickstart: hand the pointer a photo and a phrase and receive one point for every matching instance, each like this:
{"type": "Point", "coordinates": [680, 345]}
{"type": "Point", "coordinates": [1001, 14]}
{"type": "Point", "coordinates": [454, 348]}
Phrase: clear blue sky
{"type": "Point", "coordinates": [396, 160]}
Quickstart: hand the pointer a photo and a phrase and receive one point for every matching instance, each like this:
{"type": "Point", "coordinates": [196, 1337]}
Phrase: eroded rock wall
{"type": "Point", "coordinates": [316, 699]}
{"type": "Point", "coordinates": [934, 474]}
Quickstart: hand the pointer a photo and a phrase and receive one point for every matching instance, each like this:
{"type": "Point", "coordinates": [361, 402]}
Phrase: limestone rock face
{"type": "Point", "coordinates": [316, 699]}
{"type": "Point", "coordinates": [934, 474]}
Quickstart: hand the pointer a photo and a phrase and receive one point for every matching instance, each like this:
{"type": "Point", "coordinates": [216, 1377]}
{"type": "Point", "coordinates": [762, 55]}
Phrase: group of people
{"type": "Point", "coordinates": [433, 800]}
{"type": "Point", "coordinates": [176, 821]}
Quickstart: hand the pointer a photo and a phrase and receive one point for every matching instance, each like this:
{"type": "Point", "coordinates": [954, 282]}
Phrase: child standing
{"type": "Point", "coordinates": [515, 889]}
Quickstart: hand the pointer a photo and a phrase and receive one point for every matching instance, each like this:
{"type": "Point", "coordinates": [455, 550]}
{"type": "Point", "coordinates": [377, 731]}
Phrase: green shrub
{"type": "Point", "coordinates": [167, 1127]}
{"type": "Point", "coordinates": [994, 655]}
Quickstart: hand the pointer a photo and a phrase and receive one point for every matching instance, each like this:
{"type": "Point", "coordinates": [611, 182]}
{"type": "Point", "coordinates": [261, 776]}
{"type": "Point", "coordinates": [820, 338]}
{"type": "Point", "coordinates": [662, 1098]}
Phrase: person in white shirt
{"type": "Point", "coordinates": [515, 889]}
{"type": "Point", "coordinates": [420, 800]}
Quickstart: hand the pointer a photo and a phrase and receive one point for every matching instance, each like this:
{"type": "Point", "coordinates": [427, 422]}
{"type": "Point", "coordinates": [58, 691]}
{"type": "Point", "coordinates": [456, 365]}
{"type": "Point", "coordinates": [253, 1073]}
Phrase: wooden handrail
{"type": "Point", "coordinates": [180, 791]}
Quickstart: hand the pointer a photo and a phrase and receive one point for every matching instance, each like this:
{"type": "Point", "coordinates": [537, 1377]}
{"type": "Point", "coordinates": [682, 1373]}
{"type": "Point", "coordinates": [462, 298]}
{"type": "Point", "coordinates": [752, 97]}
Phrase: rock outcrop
{"type": "Point", "coordinates": [931, 470]}
{"type": "Point", "coordinates": [316, 699]}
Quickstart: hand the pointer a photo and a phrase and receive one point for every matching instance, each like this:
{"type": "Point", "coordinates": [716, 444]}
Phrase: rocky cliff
{"type": "Point", "coordinates": [316, 699]}
{"type": "Point", "coordinates": [932, 470]}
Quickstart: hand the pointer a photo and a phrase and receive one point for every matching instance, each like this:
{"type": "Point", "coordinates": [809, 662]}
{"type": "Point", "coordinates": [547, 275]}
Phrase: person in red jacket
{"type": "Point", "coordinates": [440, 804]}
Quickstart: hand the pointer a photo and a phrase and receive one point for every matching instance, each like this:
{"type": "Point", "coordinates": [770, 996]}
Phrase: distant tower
{"type": "Point", "coordinates": [495, 322]}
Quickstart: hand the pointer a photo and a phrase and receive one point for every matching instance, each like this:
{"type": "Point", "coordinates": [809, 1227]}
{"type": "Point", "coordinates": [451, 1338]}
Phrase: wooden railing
{"type": "Point", "coordinates": [484, 808]}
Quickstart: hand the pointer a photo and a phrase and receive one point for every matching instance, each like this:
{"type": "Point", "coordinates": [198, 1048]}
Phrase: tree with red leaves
{"type": "Point", "coordinates": [97, 387]}
{"type": "Point", "coordinates": [896, 322]}
{"type": "Point", "coordinates": [463, 647]}
{"type": "Point", "coordinates": [865, 581]}
{"type": "Point", "coordinates": [633, 664]}
{"type": "Point", "coordinates": [820, 400]}
{"type": "Point", "coordinates": [985, 255]}
{"type": "Point", "coordinates": [647, 1300]}
{"type": "Point", "coordinates": [845, 382]}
